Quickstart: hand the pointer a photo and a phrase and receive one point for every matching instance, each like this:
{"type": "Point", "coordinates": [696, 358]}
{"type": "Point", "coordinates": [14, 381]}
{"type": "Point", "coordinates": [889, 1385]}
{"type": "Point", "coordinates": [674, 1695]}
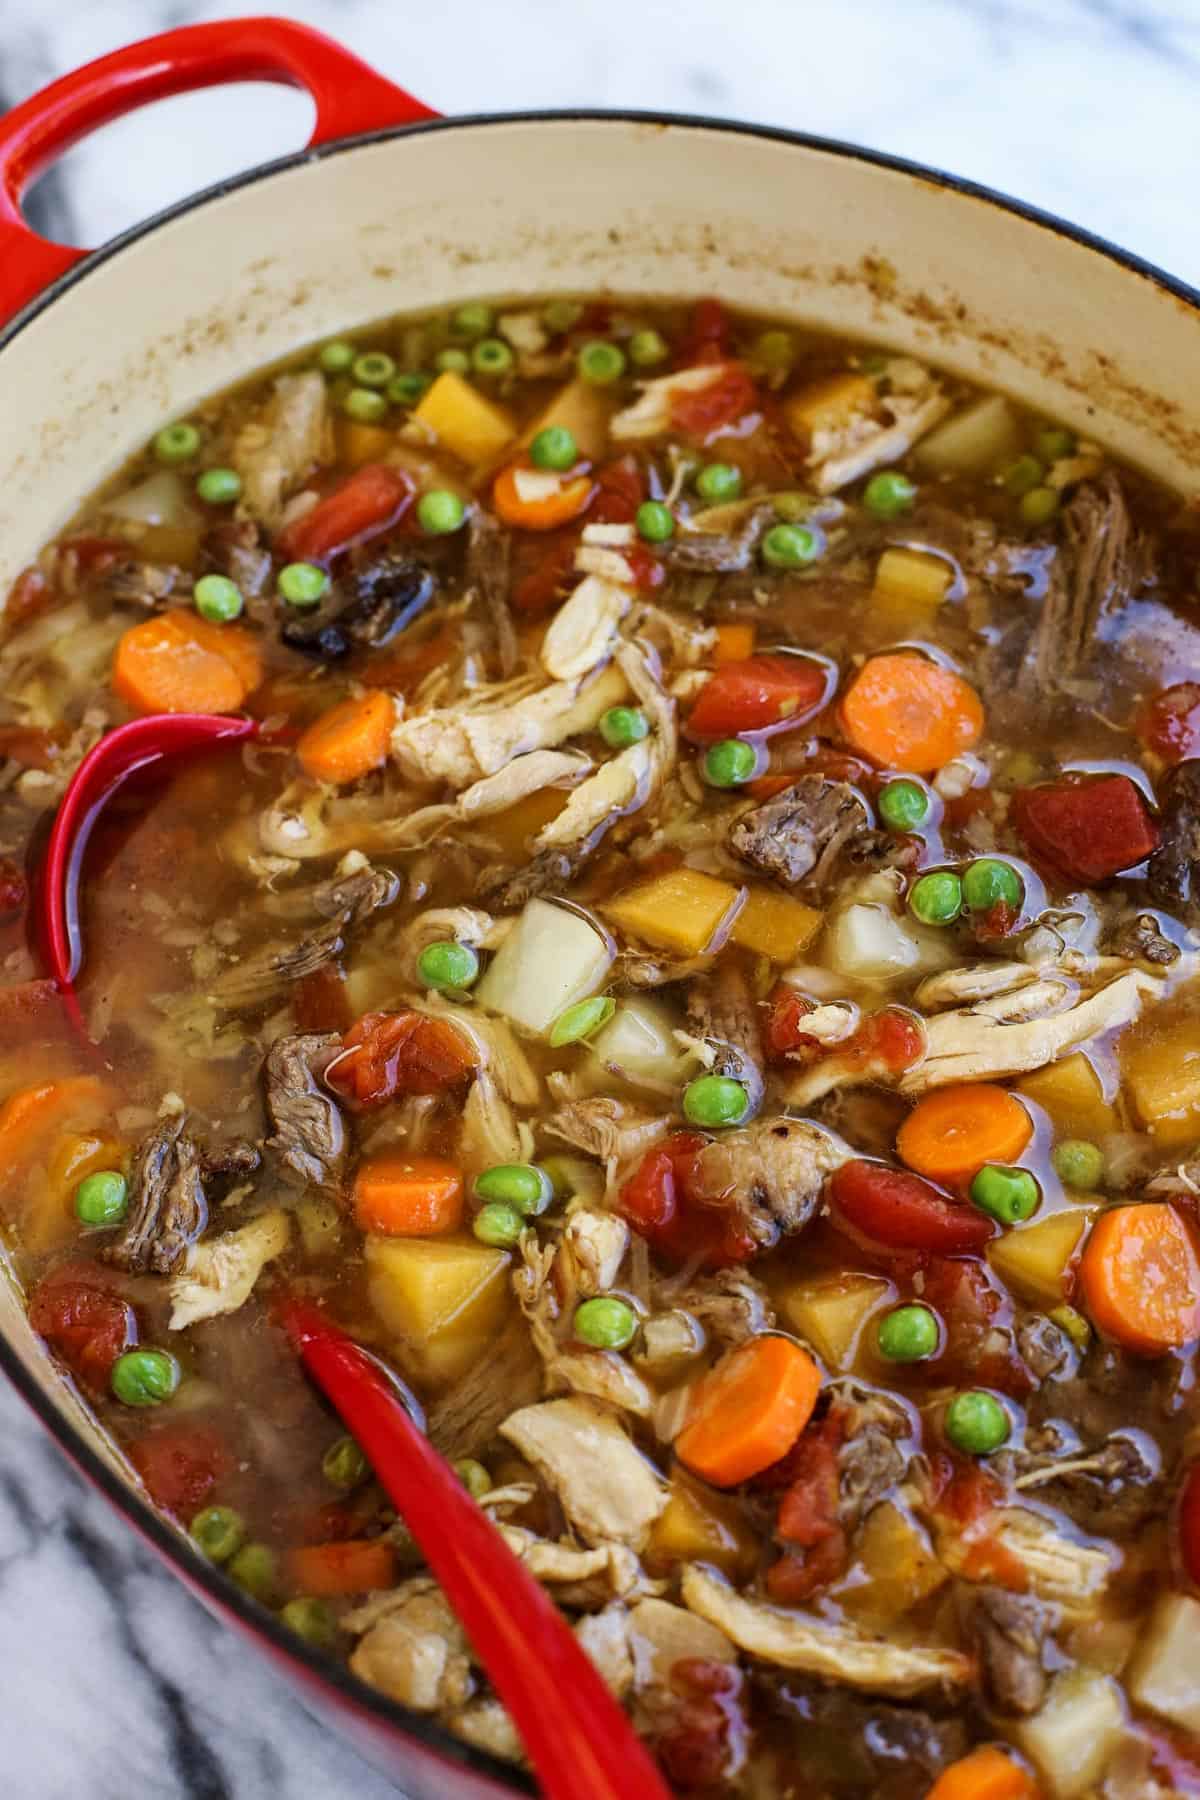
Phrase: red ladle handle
{"type": "Point", "coordinates": [349, 96]}
{"type": "Point", "coordinates": [578, 1739]}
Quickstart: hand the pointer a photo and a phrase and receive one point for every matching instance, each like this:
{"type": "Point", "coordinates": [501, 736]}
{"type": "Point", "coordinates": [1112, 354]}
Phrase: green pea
{"type": "Point", "coordinates": [647, 349]}
{"type": "Point", "coordinates": [451, 361]}
{"type": "Point", "coordinates": [1078, 1163]}
{"type": "Point", "coordinates": [311, 1620]}
{"type": "Point", "coordinates": [373, 369]}
{"type": "Point", "coordinates": [217, 599]}
{"type": "Point", "coordinates": [255, 1569]}
{"type": "Point", "coordinates": [605, 1323]}
{"type": "Point", "coordinates": [730, 763]}
{"type": "Point", "coordinates": [302, 584]}
{"type": "Point", "coordinates": [219, 1531]}
{"type": "Point", "coordinates": [344, 1465]}
{"type": "Point", "coordinates": [791, 546]}
{"type": "Point", "coordinates": [719, 481]}
{"type": "Point", "coordinates": [1040, 505]}
{"type": "Point", "coordinates": [889, 494]}
{"type": "Point", "coordinates": [491, 356]}
{"type": "Point", "coordinates": [407, 388]}
{"type": "Point", "coordinates": [498, 1224]}
{"type": "Point", "coordinates": [904, 805]}
{"type": "Point", "coordinates": [335, 357]}
{"type": "Point", "coordinates": [554, 448]}
{"type": "Point", "coordinates": [176, 443]}
{"type": "Point", "coordinates": [365, 406]}
{"type": "Point", "coordinates": [474, 1477]}
{"type": "Point", "coordinates": [1054, 441]}
{"type": "Point", "coordinates": [937, 898]}
{"type": "Point", "coordinates": [908, 1334]}
{"type": "Point", "coordinates": [1022, 475]}
{"type": "Point", "coordinates": [714, 1101]}
{"type": "Point", "coordinates": [523, 1186]}
{"type": "Point", "coordinates": [144, 1377]}
{"type": "Point", "coordinates": [1009, 1195]}
{"type": "Point", "coordinates": [472, 320]}
{"type": "Point", "coordinates": [655, 522]}
{"type": "Point", "coordinates": [775, 350]}
{"type": "Point", "coordinates": [218, 487]}
{"type": "Point", "coordinates": [989, 881]}
{"type": "Point", "coordinates": [440, 512]}
{"type": "Point", "coordinates": [448, 966]}
{"type": "Point", "coordinates": [559, 315]}
{"type": "Point", "coordinates": [601, 363]}
{"type": "Point", "coordinates": [976, 1423]}
{"type": "Point", "coordinates": [582, 1020]}
{"type": "Point", "coordinates": [621, 726]}
{"type": "Point", "coordinates": [102, 1198]}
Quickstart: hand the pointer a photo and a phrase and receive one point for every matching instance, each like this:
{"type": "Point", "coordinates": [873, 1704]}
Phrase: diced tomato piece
{"type": "Point", "coordinates": [83, 1320]}
{"type": "Point", "coordinates": [799, 1574]}
{"type": "Point", "coordinates": [1170, 723]}
{"type": "Point", "coordinates": [1088, 829]}
{"type": "Point", "coordinates": [368, 502]}
{"type": "Point", "coordinates": [783, 1031]}
{"type": "Point", "coordinates": [1187, 1525]}
{"type": "Point", "coordinates": [658, 1205]}
{"type": "Point", "coordinates": [181, 1464]}
{"type": "Point", "coordinates": [899, 1210]}
{"type": "Point", "coordinates": [650, 1198]}
{"type": "Point", "coordinates": [808, 1511]}
{"type": "Point", "coordinates": [764, 693]}
{"type": "Point", "coordinates": [997, 922]}
{"type": "Point", "coordinates": [620, 490]}
{"type": "Point", "coordinates": [705, 412]}
{"type": "Point", "coordinates": [972, 1307]}
{"type": "Point", "coordinates": [27, 597]}
{"type": "Point", "coordinates": [320, 1001]}
{"type": "Point", "coordinates": [648, 572]}
{"type": "Point", "coordinates": [892, 1038]}
{"type": "Point", "coordinates": [707, 338]}
{"type": "Point", "coordinates": [386, 1054]}
{"type": "Point", "coordinates": [707, 1722]}
{"type": "Point", "coordinates": [14, 890]}
{"type": "Point", "coordinates": [96, 555]}
{"type": "Point", "coordinates": [545, 584]}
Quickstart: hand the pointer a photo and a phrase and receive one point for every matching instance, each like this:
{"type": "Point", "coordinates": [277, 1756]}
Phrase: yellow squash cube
{"type": "Point", "coordinates": [775, 925]}
{"type": "Point", "coordinates": [585, 410]}
{"type": "Point", "coordinates": [910, 581]}
{"type": "Point", "coordinates": [1070, 1092]}
{"type": "Point", "coordinates": [830, 1312]}
{"type": "Point", "coordinates": [1161, 1064]}
{"type": "Point", "coordinates": [359, 443]}
{"type": "Point", "coordinates": [512, 829]}
{"type": "Point", "coordinates": [442, 1299]}
{"type": "Point", "coordinates": [830, 404]}
{"type": "Point", "coordinates": [698, 1525]}
{"type": "Point", "coordinates": [899, 1564]}
{"type": "Point", "coordinates": [677, 911]}
{"type": "Point", "coordinates": [464, 421]}
{"type": "Point", "coordinates": [1033, 1260]}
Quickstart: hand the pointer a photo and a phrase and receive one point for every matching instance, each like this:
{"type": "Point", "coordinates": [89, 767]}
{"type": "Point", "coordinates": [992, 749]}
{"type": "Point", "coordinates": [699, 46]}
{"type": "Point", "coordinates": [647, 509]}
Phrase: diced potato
{"type": "Point", "coordinates": [585, 410]}
{"type": "Point", "coordinates": [1033, 1259]}
{"type": "Point", "coordinates": [677, 911]}
{"type": "Point", "coordinates": [867, 941]}
{"type": "Point", "coordinates": [464, 421]}
{"type": "Point", "coordinates": [640, 1040]}
{"type": "Point", "coordinates": [775, 925]}
{"type": "Point", "coordinates": [513, 828]}
{"type": "Point", "coordinates": [320, 1224]}
{"type": "Point", "coordinates": [699, 1525]}
{"type": "Point", "coordinates": [1165, 1674]}
{"type": "Point", "coordinates": [443, 1300]}
{"type": "Point", "coordinates": [358, 443]}
{"type": "Point", "coordinates": [735, 642]}
{"type": "Point", "coordinates": [1070, 1092]}
{"type": "Point", "coordinates": [982, 438]}
{"type": "Point", "coordinates": [910, 581]}
{"type": "Point", "coordinates": [551, 958]}
{"type": "Point", "coordinates": [830, 405]}
{"type": "Point", "coordinates": [1071, 1739]}
{"type": "Point", "coordinates": [899, 1565]}
{"type": "Point", "coordinates": [1161, 1065]}
{"type": "Point", "coordinates": [830, 1312]}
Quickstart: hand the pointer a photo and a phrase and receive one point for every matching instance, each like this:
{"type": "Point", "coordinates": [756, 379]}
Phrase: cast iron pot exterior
{"type": "Point", "coordinates": [391, 208]}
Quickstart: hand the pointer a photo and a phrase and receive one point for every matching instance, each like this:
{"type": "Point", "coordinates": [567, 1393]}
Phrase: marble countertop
{"type": "Point", "coordinates": [122, 1687]}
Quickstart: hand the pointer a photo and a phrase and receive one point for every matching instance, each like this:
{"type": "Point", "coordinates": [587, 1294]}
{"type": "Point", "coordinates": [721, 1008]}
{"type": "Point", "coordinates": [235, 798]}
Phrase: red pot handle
{"type": "Point", "coordinates": [350, 97]}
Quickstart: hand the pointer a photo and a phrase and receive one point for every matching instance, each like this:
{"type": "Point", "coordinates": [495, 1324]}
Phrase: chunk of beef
{"type": "Point", "coordinates": [309, 1139]}
{"type": "Point", "coordinates": [719, 553]}
{"type": "Point", "coordinates": [1109, 1491]}
{"type": "Point", "coordinates": [547, 872]}
{"type": "Point", "coordinates": [773, 1171]}
{"type": "Point", "coordinates": [1008, 1631]}
{"type": "Point", "coordinates": [235, 1158]}
{"type": "Point", "coordinates": [346, 902]}
{"type": "Point", "coordinates": [234, 547]}
{"type": "Point", "coordinates": [147, 585]}
{"type": "Point", "coordinates": [877, 1442]}
{"type": "Point", "coordinates": [365, 611]}
{"type": "Point", "coordinates": [486, 576]}
{"type": "Point", "coordinates": [854, 1746]}
{"type": "Point", "coordinates": [464, 1420]}
{"type": "Point", "coordinates": [167, 1206]}
{"type": "Point", "coordinates": [730, 1304]}
{"type": "Point", "coordinates": [722, 1011]}
{"type": "Point", "coordinates": [803, 831]}
{"type": "Point", "coordinates": [1045, 1350]}
{"type": "Point", "coordinates": [1174, 874]}
{"type": "Point", "coordinates": [1138, 939]}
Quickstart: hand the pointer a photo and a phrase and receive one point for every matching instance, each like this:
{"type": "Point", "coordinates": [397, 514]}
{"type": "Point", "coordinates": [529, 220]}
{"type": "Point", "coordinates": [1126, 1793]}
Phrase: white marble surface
{"type": "Point", "coordinates": [115, 1684]}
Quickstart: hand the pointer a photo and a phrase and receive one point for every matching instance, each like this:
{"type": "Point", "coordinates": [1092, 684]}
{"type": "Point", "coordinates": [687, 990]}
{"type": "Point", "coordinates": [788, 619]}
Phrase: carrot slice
{"type": "Point", "coordinates": [950, 1134]}
{"type": "Point", "coordinates": [734, 643]}
{"type": "Point", "coordinates": [349, 740]}
{"type": "Point", "coordinates": [357, 1566]}
{"type": "Point", "coordinates": [408, 1196]}
{"type": "Point", "coordinates": [749, 1410]}
{"type": "Point", "coordinates": [180, 664]}
{"type": "Point", "coordinates": [30, 1118]}
{"type": "Point", "coordinates": [545, 514]}
{"type": "Point", "coordinates": [906, 712]}
{"type": "Point", "coordinates": [1140, 1278]}
{"type": "Point", "coordinates": [986, 1774]}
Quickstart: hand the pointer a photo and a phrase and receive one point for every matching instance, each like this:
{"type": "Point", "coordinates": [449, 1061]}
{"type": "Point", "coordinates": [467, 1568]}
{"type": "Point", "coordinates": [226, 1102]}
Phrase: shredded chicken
{"type": "Point", "coordinates": [615, 1131]}
{"type": "Point", "coordinates": [661, 1635]}
{"type": "Point", "coordinates": [593, 1249]}
{"type": "Point", "coordinates": [650, 414]}
{"type": "Point", "coordinates": [594, 1576]}
{"type": "Point", "coordinates": [772, 1171]}
{"type": "Point", "coordinates": [1060, 1569]}
{"type": "Point", "coordinates": [413, 1648]}
{"type": "Point", "coordinates": [584, 629]}
{"type": "Point", "coordinates": [607, 1489]}
{"type": "Point", "coordinates": [913, 406]}
{"type": "Point", "coordinates": [274, 452]}
{"type": "Point", "coordinates": [220, 1275]}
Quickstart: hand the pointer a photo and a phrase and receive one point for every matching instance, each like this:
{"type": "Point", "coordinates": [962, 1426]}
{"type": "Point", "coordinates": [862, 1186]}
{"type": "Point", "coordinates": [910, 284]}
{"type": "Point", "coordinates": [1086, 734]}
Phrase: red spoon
{"type": "Point", "coordinates": [103, 770]}
{"type": "Point", "coordinates": [579, 1741]}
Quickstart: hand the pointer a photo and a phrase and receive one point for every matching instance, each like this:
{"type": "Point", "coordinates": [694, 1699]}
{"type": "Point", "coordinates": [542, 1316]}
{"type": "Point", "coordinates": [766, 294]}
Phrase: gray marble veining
{"type": "Point", "coordinates": [116, 1684]}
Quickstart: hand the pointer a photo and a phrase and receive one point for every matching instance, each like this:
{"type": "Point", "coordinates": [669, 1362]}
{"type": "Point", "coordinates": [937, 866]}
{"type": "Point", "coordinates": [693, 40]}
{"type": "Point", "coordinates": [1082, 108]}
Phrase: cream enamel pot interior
{"type": "Point", "coordinates": [409, 215]}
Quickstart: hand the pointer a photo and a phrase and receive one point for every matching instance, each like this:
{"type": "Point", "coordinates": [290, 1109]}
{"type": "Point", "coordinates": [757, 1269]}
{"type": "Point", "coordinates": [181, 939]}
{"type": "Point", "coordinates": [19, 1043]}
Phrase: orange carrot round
{"type": "Point", "coordinates": [951, 1133]}
{"type": "Point", "coordinates": [181, 664]}
{"type": "Point", "coordinates": [31, 1117]}
{"type": "Point", "coordinates": [349, 740]}
{"type": "Point", "coordinates": [1140, 1278]}
{"type": "Point", "coordinates": [906, 712]}
{"type": "Point", "coordinates": [408, 1196]}
{"type": "Point", "coordinates": [748, 1410]}
{"type": "Point", "coordinates": [355, 1566]}
{"type": "Point", "coordinates": [547, 514]}
{"type": "Point", "coordinates": [988, 1773]}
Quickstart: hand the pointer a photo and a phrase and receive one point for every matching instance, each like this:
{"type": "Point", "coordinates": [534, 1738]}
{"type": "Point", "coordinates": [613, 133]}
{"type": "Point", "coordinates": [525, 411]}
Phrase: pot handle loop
{"type": "Point", "coordinates": [349, 96]}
